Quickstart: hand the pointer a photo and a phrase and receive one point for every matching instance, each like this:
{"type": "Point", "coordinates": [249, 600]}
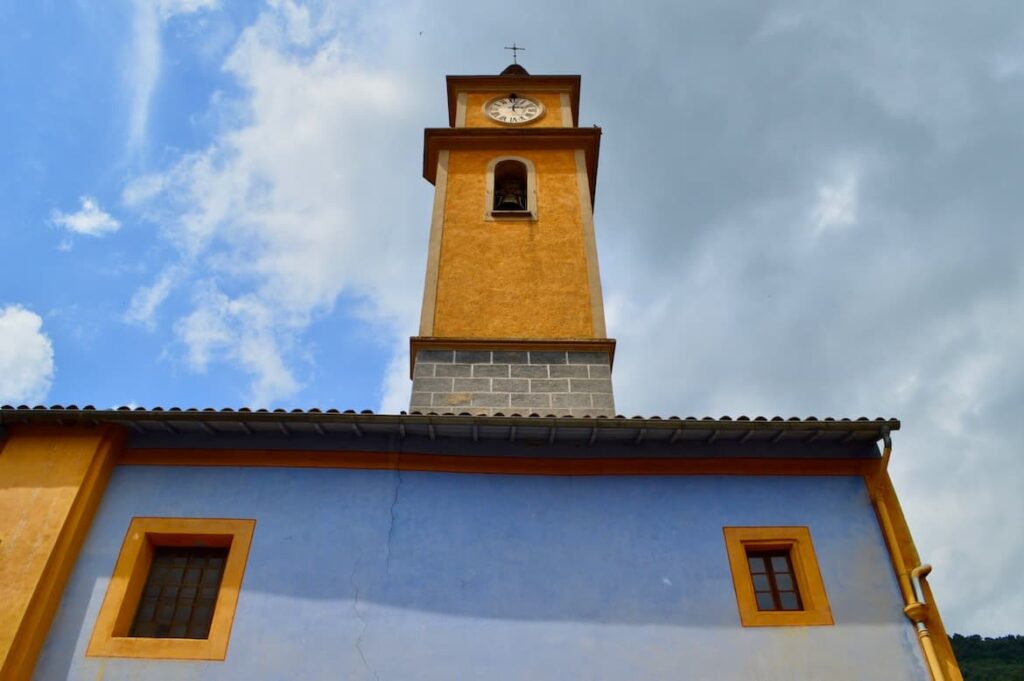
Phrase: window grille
{"type": "Point", "coordinates": [180, 592]}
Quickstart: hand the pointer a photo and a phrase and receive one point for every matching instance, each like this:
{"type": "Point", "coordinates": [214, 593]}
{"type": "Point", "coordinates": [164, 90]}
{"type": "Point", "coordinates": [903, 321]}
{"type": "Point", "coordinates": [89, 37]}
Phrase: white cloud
{"type": "Point", "coordinates": [837, 199]}
{"type": "Point", "coordinates": [26, 364]}
{"type": "Point", "coordinates": [143, 68]}
{"type": "Point", "coordinates": [205, 330]}
{"type": "Point", "coordinates": [138, 190]}
{"type": "Point", "coordinates": [275, 217]}
{"type": "Point", "coordinates": [395, 384]}
{"type": "Point", "coordinates": [143, 64]}
{"type": "Point", "coordinates": [242, 330]}
{"type": "Point", "coordinates": [147, 299]}
{"type": "Point", "coordinates": [89, 219]}
{"type": "Point", "coordinates": [169, 8]}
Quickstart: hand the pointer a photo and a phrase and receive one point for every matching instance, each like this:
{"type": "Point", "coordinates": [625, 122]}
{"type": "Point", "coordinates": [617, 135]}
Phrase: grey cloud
{"type": "Point", "coordinates": [722, 122]}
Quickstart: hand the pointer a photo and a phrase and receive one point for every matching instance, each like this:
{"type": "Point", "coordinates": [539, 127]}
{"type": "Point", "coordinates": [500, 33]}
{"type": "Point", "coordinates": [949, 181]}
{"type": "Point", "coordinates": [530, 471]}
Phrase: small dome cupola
{"type": "Point", "coordinates": [515, 70]}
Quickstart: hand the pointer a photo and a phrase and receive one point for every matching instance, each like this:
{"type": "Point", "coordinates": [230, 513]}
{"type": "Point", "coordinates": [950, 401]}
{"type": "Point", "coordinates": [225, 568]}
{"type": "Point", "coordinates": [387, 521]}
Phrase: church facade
{"type": "Point", "coordinates": [508, 526]}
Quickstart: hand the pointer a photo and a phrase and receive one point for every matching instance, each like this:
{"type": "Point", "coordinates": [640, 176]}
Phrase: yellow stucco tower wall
{"type": "Point", "coordinates": [513, 279]}
{"type": "Point", "coordinates": [51, 480]}
{"type": "Point", "coordinates": [513, 313]}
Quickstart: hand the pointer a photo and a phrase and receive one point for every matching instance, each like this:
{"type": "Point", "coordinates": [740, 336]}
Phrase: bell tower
{"type": "Point", "coordinates": [513, 317]}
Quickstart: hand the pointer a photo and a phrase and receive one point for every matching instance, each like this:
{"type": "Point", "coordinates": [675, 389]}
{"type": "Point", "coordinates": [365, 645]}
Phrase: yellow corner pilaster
{"type": "Point", "coordinates": [904, 556]}
{"type": "Point", "coordinates": [51, 481]}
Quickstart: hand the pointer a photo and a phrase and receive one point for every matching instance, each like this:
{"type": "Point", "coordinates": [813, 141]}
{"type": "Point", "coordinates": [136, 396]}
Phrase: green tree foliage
{"type": "Point", "coordinates": [990, 659]}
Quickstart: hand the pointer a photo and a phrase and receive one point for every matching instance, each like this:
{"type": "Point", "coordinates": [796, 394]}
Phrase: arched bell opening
{"type": "Point", "coordinates": [510, 187]}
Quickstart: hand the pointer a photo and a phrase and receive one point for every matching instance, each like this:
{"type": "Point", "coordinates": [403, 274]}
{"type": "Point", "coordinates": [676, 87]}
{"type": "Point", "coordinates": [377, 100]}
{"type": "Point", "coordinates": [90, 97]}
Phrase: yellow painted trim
{"type": "Point", "coordinates": [460, 111]}
{"type": "Point", "coordinates": [797, 540]}
{"type": "Point", "coordinates": [429, 308]}
{"type": "Point", "coordinates": [566, 110]}
{"type": "Point", "coordinates": [47, 453]}
{"type": "Point", "coordinates": [110, 634]}
{"type": "Point", "coordinates": [502, 465]}
{"type": "Point", "coordinates": [590, 245]}
{"type": "Point", "coordinates": [904, 557]}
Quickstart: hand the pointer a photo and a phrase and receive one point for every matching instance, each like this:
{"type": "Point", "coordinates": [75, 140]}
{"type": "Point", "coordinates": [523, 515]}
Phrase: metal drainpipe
{"type": "Point", "coordinates": [916, 608]}
{"type": "Point", "coordinates": [917, 612]}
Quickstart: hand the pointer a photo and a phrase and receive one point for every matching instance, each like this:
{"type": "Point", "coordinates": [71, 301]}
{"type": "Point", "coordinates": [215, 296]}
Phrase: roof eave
{"type": "Point", "coordinates": [587, 139]}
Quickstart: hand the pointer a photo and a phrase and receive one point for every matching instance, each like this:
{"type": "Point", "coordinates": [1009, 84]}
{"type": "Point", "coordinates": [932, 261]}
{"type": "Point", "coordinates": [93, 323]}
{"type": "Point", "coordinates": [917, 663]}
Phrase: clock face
{"type": "Point", "coordinates": [514, 110]}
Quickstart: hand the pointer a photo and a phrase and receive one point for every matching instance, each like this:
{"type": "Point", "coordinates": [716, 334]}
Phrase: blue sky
{"type": "Point", "coordinates": [803, 208]}
{"type": "Point", "coordinates": [105, 94]}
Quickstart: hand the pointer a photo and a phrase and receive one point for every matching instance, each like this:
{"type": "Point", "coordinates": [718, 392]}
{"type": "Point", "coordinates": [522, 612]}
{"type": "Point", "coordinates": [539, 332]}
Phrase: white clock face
{"type": "Point", "coordinates": [514, 110]}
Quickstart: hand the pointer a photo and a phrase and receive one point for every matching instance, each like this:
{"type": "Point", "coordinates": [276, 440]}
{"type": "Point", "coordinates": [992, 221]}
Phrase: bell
{"type": "Point", "coordinates": [510, 196]}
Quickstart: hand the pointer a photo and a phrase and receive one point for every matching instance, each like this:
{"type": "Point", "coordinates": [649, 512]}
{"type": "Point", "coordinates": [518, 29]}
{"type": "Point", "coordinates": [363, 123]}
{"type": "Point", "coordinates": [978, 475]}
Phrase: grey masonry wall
{"type": "Point", "coordinates": [486, 382]}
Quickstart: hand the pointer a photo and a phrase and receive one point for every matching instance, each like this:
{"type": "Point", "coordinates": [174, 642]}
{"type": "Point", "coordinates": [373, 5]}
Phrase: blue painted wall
{"type": "Point", "coordinates": [380, 575]}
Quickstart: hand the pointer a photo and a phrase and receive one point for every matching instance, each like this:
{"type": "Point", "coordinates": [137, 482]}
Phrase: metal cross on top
{"type": "Point", "coordinates": [515, 49]}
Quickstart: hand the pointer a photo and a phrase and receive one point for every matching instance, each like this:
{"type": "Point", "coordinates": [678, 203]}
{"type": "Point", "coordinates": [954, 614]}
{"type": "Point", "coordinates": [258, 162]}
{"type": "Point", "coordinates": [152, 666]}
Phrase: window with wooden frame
{"type": "Point", "coordinates": [174, 589]}
{"type": "Point", "coordinates": [771, 573]}
{"type": "Point", "coordinates": [776, 577]}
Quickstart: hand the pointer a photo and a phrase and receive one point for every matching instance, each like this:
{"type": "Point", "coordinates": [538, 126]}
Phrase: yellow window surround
{"type": "Point", "coordinates": [110, 636]}
{"type": "Point", "coordinates": [797, 541]}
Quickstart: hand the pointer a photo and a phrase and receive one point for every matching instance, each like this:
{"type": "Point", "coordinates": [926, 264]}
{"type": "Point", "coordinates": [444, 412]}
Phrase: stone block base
{"type": "Point", "coordinates": [488, 382]}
